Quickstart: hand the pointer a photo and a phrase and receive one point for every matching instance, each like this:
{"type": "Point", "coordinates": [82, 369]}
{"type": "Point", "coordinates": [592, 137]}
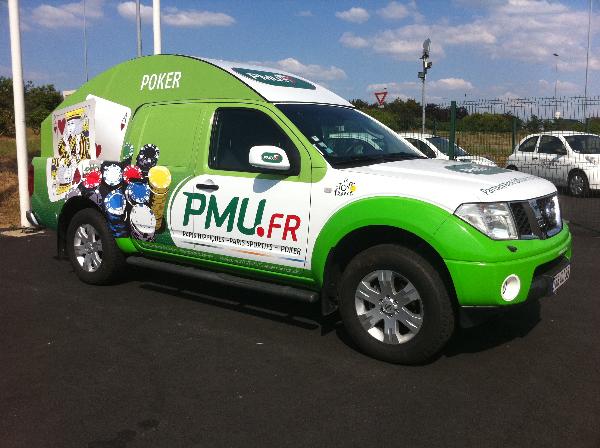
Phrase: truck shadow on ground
{"type": "Point", "coordinates": [496, 331]}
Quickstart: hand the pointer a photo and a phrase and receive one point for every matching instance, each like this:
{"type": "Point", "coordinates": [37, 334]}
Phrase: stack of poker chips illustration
{"type": "Point", "coordinates": [114, 198]}
{"type": "Point", "coordinates": [133, 197]}
{"type": "Point", "coordinates": [159, 179]}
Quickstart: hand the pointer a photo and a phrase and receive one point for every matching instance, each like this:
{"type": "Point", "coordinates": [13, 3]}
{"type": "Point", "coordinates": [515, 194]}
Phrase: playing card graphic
{"type": "Point", "coordinates": [84, 132]}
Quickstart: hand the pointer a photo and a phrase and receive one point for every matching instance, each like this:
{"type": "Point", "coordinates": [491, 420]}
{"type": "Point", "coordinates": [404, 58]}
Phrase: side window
{"type": "Point", "coordinates": [528, 145]}
{"type": "Point", "coordinates": [235, 131]}
{"type": "Point", "coordinates": [169, 127]}
{"type": "Point", "coordinates": [422, 146]}
{"type": "Point", "coordinates": [551, 145]}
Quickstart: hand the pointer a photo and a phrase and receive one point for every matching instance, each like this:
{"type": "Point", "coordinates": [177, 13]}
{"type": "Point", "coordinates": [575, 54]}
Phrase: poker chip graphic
{"type": "Point", "coordinates": [92, 179]}
{"type": "Point", "coordinates": [137, 193]}
{"type": "Point", "coordinates": [112, 174]}
{"type": "Point", "coordinates": [142, 222]}
{"type": "Point", "coordinates": [148, 157]}
{"type": "Point", "coordinates": [128, 150]}
{"type": "Point", "coordinates": [114, 203]}
{"type": "Point", "coordinates": [132, 173]}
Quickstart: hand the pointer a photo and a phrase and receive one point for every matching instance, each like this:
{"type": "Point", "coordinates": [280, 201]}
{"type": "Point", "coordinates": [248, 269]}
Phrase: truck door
{"type": "Point", "coordinates": [163, 136]}
{"type": "Point", "coordinates": [241, 214]}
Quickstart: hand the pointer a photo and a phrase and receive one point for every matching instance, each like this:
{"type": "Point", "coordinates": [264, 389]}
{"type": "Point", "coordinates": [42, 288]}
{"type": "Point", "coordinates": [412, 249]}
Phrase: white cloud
{"type": "Point", "coordinates": [306, 13]}
{"type": "Point", "coordinates": [562, 88]}
{"type": "Point", "coordinates": [355, 15]}
{"type": "Point", "coordinates": [177, 17]}
{"type": "Point", "coordinates": [525, 30]}
{"type": "Point", "coordinates": [394, 11]}
{"type": "Point", "coordinates": [311, 71]}
{"type": "Point", "coordinates": [451, 84]}
{"type": "Point", "coordinates": [66, 15]}
{"type": "Point", "coordinates": [350, 40]}
{"type": "Point", "coordinates": [127, 10]}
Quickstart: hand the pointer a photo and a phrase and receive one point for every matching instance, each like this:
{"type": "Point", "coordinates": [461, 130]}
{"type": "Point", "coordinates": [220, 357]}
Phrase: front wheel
{"type": "Point", "coordinates": [395, 306]}
{"type": "Point", "coordinates": [92, 249]}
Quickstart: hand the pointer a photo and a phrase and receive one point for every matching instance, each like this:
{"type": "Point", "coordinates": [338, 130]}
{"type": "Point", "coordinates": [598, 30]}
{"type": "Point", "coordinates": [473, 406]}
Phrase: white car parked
{"type": "Point", "coordinates": [569, 159]}
{"type": "Point", "coordinates": [435, 147]}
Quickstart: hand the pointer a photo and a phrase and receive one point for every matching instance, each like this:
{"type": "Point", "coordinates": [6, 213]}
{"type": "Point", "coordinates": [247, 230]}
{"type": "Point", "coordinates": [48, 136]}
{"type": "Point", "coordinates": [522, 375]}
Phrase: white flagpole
{"type": "Point", "coordinates": [156, 26]}
{"type": "Point", "coordinates": [138, 26]}
{"type": "Point", "coordinates": [19, 100]}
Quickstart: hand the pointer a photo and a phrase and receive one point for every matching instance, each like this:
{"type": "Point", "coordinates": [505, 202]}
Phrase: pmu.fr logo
{"type": "Point", "coordinates": [281, 226]}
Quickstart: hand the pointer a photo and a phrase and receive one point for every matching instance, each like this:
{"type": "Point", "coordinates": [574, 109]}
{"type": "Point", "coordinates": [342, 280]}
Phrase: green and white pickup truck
{"type": "Point", "coordinates": [237, 174]}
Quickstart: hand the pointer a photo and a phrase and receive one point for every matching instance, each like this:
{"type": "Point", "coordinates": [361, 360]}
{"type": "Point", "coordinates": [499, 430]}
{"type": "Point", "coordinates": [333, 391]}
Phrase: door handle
{"type": "Point", "coordinates": [534, 158]}
{"type": "Point", "coordinates": [211, 187]}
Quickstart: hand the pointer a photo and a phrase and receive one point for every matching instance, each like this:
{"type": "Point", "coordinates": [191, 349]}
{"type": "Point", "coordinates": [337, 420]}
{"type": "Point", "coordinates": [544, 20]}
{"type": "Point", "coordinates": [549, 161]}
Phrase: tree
{"type": "Point", "coordinates": [40, 101]}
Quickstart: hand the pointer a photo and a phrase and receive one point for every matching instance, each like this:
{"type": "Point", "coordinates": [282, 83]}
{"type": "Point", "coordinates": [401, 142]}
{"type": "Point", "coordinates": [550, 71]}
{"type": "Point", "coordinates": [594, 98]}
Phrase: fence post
{"type": "Point", "coordinates": [434, 130]}
{"type": "Point", "coordinates": [514, 133]}
{"type": "Point", "coordinates": [452, 130]}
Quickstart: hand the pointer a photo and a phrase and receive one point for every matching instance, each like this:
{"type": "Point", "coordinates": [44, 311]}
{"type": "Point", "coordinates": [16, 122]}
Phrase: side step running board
{"type": "Point", "coordinates": [290, 292]}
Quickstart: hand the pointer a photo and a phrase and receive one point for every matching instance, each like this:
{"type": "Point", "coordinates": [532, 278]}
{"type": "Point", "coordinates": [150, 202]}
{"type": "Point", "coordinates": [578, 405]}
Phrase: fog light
{"type": "Point", "coordinates": [510, 287]}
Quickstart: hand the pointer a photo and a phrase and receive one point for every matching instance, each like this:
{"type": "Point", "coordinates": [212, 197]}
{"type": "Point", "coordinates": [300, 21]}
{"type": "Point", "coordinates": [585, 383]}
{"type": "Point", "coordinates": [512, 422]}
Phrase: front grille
{"type": "Point", "coordinates": [537, 218]}
{"type": "Point", "coordinates": [521, 219]}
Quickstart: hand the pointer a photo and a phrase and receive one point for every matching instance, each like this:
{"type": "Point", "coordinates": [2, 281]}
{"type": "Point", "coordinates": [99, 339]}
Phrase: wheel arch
{"type": "Point", "coordinates": [69, 209]}
{"type": "Point", "coordinates": [407, 222]}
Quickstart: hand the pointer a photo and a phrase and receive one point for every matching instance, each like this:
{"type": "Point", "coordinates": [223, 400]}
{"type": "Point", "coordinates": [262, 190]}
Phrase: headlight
{"type": "Point", "coordinates": [493, 219]}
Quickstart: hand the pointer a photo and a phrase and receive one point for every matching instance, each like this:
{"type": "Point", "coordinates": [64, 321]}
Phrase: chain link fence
{"type": "Point", "coordinates": [554, 138]}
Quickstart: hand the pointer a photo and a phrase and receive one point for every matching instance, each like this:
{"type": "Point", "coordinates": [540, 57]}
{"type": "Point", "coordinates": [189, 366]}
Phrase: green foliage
{"type": "Point", "coordinates": [39, 102]}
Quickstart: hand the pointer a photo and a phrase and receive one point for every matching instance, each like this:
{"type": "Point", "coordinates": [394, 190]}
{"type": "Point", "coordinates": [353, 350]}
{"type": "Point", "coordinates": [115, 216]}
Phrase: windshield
{"type": "Point", "coordinates": [345, 136]}
{"type": "Point", "coordinates": [584, 144]}
{"type": "Point", "coordinates": [442, 144]}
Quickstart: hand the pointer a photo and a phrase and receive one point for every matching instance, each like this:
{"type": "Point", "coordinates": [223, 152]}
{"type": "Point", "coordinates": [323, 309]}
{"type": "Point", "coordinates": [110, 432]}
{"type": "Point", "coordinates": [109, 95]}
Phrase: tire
{"type": "Point", "coordinates": [512, 167]}
{"type": "Point", "coordinates": [404, 334]}
{"type": "Point", "coordinates": [92, 249]}
{"type": "Point", "coordinates": [579, 185]}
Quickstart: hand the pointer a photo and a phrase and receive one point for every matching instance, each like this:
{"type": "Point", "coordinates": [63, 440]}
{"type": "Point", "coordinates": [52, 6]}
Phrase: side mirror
{"type": "Point", "coordinates": [269, 157]}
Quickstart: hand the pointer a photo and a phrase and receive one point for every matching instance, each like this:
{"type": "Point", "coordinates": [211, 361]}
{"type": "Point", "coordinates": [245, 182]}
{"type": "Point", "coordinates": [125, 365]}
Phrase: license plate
{"type": "Point", "coordinates": [561, 278]}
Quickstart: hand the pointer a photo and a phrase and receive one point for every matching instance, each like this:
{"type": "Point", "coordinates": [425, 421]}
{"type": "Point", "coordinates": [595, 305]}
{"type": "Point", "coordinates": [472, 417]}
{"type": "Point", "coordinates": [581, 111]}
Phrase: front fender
{"type": "Point", "coordinates": [417, 217]}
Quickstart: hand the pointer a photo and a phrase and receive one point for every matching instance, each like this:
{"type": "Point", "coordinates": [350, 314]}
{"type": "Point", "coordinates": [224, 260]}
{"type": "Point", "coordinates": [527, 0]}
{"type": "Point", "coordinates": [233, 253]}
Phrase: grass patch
{"type": "Point", "coordinates": [9, 188]}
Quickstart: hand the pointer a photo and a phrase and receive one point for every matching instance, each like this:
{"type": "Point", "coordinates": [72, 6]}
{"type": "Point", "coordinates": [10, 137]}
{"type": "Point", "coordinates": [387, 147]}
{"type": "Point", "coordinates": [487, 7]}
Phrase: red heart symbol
{"type": "Point", "coordinates": [61, 125]}
{"type": "Point", "coordinates": [98, 149]}
{"type": "Point", "coordinates": [77, 177]}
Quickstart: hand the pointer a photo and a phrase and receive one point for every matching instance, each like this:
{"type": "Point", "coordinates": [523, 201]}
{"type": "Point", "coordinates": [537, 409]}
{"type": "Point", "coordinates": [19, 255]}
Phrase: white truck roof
{"type": "Point", "coordinates": [278, 86]}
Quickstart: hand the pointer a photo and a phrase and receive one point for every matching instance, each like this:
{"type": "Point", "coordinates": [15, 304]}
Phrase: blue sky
{"type": "Point", "coordinates": [480, 48]}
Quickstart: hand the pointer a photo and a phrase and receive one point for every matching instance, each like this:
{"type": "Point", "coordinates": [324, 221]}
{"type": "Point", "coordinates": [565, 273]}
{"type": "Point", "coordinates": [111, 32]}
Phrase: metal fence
{"type": "Point", "coordinates": [554, 138]}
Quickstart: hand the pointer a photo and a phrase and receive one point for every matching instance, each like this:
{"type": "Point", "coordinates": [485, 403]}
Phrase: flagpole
{"type": "Point", "coordinates": [156, 26]}
{"type": "Point", "coordinates": [19, 101]}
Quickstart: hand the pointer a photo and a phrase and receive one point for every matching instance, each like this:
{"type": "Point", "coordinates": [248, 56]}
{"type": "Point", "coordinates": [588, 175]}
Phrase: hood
{"type": "Point", "coordinates": [447, 184]}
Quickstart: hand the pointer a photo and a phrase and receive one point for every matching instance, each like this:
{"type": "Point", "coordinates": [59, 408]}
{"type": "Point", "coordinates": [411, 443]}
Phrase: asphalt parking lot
{"type": "Point", "coordinates": [162, 361]}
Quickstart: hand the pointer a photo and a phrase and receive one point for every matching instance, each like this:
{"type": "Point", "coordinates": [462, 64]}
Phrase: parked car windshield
{"type": "Point", "coordinates": [584, 144]}
{"type": "Point", "coordinates": [442, 144]}
{"type": "Point", "coordinates": [347, 137]}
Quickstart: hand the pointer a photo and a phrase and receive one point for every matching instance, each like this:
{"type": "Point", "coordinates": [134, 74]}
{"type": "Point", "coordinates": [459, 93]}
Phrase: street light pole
{"type": "Point", "coordinates": [85, 47]}
{"type": "Point", "coordinates": [19, 101]}
{"type": "Point", "coordinates": [587, 64]}
{"type": "Point", "coordinates": [556, 75]}
{"type": "Point", "coordinates": [423, 75]}
{"type": "Point", "coordinates": [138, 25]}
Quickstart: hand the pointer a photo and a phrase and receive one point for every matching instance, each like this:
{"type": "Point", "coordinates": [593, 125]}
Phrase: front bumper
{"type": "Point", "coordinates": [541, 286]}
{"type": "Point", "coordinates": [480, 283]}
